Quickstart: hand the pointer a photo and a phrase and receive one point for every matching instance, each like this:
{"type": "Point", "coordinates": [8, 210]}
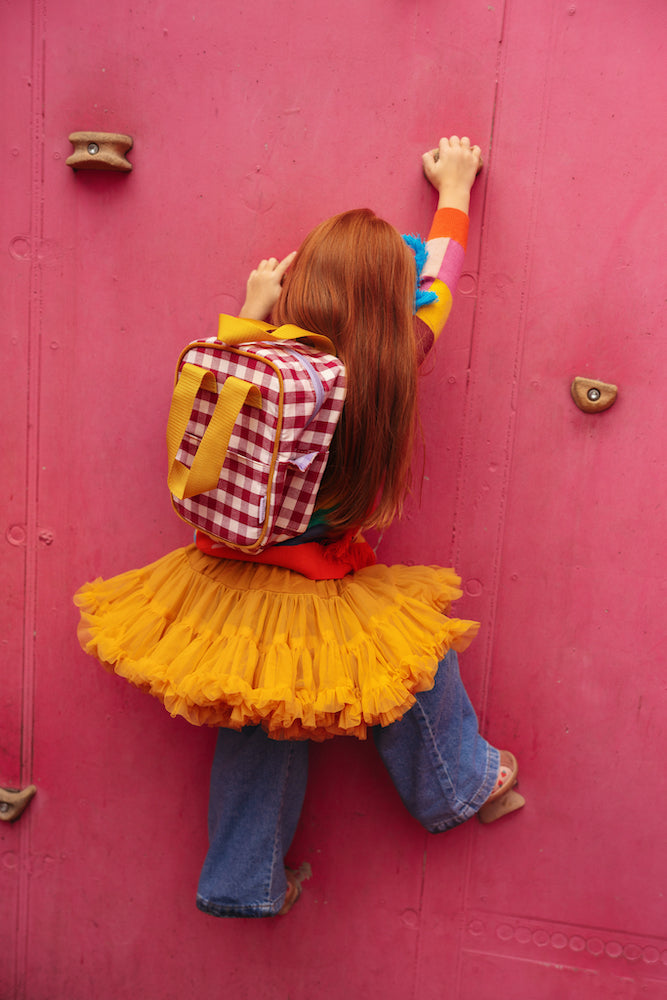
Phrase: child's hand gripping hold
{"type": "Point", "coordinates": [452, 169]}
{"type": "Point", "coordinates": [263, 287]}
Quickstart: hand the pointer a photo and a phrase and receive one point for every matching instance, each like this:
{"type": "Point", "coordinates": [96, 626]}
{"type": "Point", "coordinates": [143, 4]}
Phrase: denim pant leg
{"type": "Point", "coordinates": [256, 794]}
{"type": "Point", "coordinates": [442, 768]}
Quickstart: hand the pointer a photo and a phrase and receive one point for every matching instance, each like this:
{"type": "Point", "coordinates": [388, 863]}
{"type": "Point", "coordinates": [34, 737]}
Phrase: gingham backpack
{"type": "Point", "coordinates": [251, 419]}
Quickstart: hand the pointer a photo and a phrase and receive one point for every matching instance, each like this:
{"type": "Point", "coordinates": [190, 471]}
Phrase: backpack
{"type": "Point", "coordinates": [252, 415]}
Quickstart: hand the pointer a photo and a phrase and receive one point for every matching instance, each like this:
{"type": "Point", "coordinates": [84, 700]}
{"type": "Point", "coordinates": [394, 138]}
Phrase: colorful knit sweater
{"type": "Point", "coordinates": [445, 247]}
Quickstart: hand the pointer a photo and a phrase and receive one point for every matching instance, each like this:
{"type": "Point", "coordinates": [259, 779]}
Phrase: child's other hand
{"type": "Point", "coordinates": [263, 287]}
{"type": "Point", "coordinates": [452, 169]}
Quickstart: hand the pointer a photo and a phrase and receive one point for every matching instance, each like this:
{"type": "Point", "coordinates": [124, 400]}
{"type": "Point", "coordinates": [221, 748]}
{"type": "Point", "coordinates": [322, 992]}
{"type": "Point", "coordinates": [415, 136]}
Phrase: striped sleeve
{"type": "Point", "coordinates": [446, 246]}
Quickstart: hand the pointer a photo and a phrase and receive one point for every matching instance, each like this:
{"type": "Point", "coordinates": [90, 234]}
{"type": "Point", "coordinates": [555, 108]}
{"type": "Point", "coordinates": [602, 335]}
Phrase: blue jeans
{"type": "Point", "coordinates": [442, 768]}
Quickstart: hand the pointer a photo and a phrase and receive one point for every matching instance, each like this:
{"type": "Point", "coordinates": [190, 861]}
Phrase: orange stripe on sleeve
{"type": "Point", "coordinates": [450, 222]}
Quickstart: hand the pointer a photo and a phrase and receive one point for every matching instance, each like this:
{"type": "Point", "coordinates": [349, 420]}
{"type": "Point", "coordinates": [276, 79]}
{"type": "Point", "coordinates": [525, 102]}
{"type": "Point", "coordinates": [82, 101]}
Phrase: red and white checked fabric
{"type": "Point", "coordinates": [277, 455]}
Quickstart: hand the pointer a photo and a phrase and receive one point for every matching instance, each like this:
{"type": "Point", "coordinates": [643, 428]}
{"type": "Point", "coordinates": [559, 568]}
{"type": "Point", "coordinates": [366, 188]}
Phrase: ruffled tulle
{"type": "Point", "coordinates": [227, 643]}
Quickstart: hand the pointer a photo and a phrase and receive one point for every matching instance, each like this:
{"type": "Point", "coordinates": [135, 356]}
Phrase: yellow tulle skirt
{"type": "Point", "coordinates": [227, 643]}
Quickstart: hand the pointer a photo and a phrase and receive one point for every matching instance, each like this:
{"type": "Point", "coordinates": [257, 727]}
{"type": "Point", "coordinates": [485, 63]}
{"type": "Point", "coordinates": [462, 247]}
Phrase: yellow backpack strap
{"type": "Point", "coordinates": [204, 473]}
{"type": "Point", "coordinates": [233, 330]}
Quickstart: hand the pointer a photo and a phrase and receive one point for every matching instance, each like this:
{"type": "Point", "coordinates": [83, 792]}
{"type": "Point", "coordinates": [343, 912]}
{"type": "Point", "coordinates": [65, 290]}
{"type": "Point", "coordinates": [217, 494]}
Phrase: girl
{"type": "Point", "coordinates": [312, 638]}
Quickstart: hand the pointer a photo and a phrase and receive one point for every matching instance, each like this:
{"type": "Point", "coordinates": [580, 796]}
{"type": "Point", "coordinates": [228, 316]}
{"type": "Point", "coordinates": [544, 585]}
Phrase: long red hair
{"type": "Point", "coordinates": [353, 280]}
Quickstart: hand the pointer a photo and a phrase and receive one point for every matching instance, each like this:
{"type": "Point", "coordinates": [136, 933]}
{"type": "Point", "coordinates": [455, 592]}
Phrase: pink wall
{"type": "Point", "coordinates": [250, 125]}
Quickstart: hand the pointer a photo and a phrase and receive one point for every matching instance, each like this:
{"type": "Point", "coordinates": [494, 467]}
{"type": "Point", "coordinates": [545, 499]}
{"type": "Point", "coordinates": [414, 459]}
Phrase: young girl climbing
{"type": "Point", "coordinates": [313, 638]}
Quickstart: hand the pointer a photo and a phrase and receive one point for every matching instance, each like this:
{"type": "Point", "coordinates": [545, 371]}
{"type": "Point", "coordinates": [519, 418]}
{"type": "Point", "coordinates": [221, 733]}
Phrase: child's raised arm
{"type": "Point", "coordinates": [451, 169]}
